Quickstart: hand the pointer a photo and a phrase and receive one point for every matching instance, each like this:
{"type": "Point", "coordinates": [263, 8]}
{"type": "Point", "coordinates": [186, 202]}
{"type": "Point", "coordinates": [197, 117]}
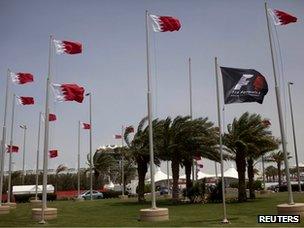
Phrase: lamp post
{"type": "Point", "coordinates": [23, 160]}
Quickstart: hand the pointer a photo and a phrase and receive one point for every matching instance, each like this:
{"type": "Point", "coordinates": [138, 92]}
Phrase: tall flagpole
{"type": "Point", "coordinates": [10, 152]}
{"type": "Point", "coordinates": [78, 162]}
{"type": "Point", "coordinates": [294, 136]}
{"type": "Point", "coordinates": [263, 171]}
{"type": "Point", "coordinates": [122, 162]}
{"type": "Point", "coordinates": [46, 134]}
{"type": "Point", "coordinates": [91, 156]}
{"type": "Point", "coordinates": [149, 99]}
{"type": "Point", "coordinates": [37, 157]}
{"type": "Point", "coordinates": [279, 107]}
{"type": "Point", "coordinates": [190, 107]}
{"type": "Point", "coordinates": [225, 220]}
{"type": "Point", "coordinates": [23, 154]}
{"type": "Point", "coordinates": [3, 141]}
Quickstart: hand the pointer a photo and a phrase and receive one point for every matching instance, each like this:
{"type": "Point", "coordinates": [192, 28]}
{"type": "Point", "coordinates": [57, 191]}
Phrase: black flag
{"type": "Point", "coordinates": [243, 85]}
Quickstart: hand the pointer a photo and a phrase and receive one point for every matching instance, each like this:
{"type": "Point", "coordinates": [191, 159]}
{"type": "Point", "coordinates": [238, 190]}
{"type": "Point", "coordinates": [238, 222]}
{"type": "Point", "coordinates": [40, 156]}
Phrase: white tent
{"type": "Point", "coordinates": [159, 176]}
{"type": "Point", "coordinates": [109, 186]}
{"type": "Point", "coordinates": [31, 189]}
{"type": "Point", "coordinates": [230, 173]}
{"type": "Point", "coordinates": [200, 175]}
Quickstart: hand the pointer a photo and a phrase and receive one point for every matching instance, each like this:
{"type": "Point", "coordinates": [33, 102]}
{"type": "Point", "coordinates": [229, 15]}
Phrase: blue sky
{"type": "Point", "coordinates": [113, 65]}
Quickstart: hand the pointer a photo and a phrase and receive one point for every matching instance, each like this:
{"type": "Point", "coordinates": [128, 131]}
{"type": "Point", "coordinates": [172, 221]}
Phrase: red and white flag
{"type": "Point", "coordinates": [130, 129]}
{"type": "Point", "coordinates": [86, 126]}
{"type": "Point", "coordinates": [165, 23]}
{"type": "Point", "coordinates": [266, 122]}
{"type": "Point", "coordinates": [21, 78]}
{"type": "Point", "coordinates": [25, 100]}
{"type": "Point", "coordinates": [52, 117]}
{"type": "Point", "coordinates": [67, 47]}
{"type": "Point", "coordinates": [281, 17]}
{"type": "Point", "coordinates": [68, 92]}
{"type": "Point", "coordinates": [14, 149]}
{"type": "Point", "coordinates": [117, 136]}
{"type": "Point", "coordinates": [53, 153]}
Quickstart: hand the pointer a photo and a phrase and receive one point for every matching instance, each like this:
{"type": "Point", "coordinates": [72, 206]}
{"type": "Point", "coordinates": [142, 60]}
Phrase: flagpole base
{"type": "Point", "coordinates": [291, 209]}
{"type": "Point", "coordinates": [36, 203]}
{"type": "Point", "coordinates": [123, 197]}
{"type": "Point", "coordinates": [225, 221]}
{"type": "Point", "coordinates": [154, 215]}
{"type": "Point", "coordinates": [4, 210]}
{"type": "Point", "coordinates": [49, 214]}
{"type": "Point", "coordinates": [11, 205]}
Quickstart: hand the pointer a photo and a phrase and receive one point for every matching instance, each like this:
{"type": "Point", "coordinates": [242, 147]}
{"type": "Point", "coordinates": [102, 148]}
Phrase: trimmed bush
{"type": "Point", "coordinates": [111, 194]}
{"type": "Point", "coordinates": [26, 197]}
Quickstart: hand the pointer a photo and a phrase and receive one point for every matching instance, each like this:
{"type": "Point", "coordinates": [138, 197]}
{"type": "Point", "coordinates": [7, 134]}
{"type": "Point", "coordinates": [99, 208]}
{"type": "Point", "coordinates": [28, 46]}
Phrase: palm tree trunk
{"type": "Point", "coordinates": [241, 169]}
{"type": "Point", "coordinates": [141, 170]}
{"type": "Point", "coordinates": [96, 175]}
{"type": "Point", "coordinates": [175, 176]}
{"type": "Point", "coordinates": [251, 178]}
{"type": "Point", "coordinates": [188, 167]}
{"type": "Point", "coordinates": [279, 174]}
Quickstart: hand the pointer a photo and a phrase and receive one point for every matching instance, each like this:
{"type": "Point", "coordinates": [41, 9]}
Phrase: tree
{"type": "Point", "coordinates": [103, 163]}
{"type": "Point", "coordinates": [139, 150]}
{"type": "Point", "coordinates": [263, 145]}
{"type": "Point", "coordinates": [278, 158]}
{"type": "Point", "coordinates": [183, 139]}
{"type": "Point", "coordinates": [246, 135]}
{"type": "Point", "coordinates": [59, 169]}
{"type": "Point", "coordinates": [271, 172]}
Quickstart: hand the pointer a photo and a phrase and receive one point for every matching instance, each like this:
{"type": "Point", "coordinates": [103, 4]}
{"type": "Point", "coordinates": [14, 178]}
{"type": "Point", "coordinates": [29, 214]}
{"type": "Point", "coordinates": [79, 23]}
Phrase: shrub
{"type": "Point", "coordinates": [294, 187]}
{"type": "Point", "coordinates": [111, 194]}
{"type": "Point", "coordinates": [215, 195]}
{"type": "Point", "coordinates": [147, 188]}
{"type": "Point", "coordinates": [26, 197]}
{"type": "Point", "coordinates": [196, 193]}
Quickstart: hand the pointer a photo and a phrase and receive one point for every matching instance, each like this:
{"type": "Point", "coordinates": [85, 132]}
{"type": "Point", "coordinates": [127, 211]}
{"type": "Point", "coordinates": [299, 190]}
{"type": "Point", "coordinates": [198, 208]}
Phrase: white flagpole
{"type": "Point", "coordinates": [78, 162]}
{"type": "Point", "coordinates": [263, 169]}
{"type": "Point", "coordinates": [279, 107]}
{"type": "Point", "coordinates": [149, 99]}
{"type": "Point", "coordinates": [122, 162]}
{"type": "Point", "coordinates": [11, 151]}
{"type": "Point", "coordinates": [37, 158]}
{"type": "Point", "coordinates": [91, 157]}
{"type": "Point", "coordinates": [23, 154]}
{"type": "Point", "coordinates": [294, 136]}
{"type": "Point", "coordinates": [215, 169]}
{"type": "Point", "coordinates": [225, 220]}
{"type": "Point", "coordinates": [46, 134]}
{"type": "Point", "coordinates": [3, 141]}
{"type": "Point", "coordinates": [190, 107]}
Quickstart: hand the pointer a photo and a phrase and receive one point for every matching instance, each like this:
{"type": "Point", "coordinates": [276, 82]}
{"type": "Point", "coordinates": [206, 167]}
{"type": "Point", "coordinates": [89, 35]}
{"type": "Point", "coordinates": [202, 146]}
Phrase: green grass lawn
{"type": "Point", "coordinates": [115, 212]}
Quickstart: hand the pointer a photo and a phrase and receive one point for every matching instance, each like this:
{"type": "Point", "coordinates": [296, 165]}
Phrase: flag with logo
{"type": "Point", "coordinates": [243, 85]}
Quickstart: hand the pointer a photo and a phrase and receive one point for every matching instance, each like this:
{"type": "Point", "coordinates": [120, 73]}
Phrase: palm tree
{"type": "Point", "coordinates": [271, 171]}
{"type": "Point", "coordinates": [139, 150]}
{"type": "Point", "coordinates": [278, 158]}
{"type": "Point", "coordinates": [183, 139]}
{"type": "Point", "coordinates": [245, 135]}
{"type": "Point", "coordinates": [59, 169]}
{"type": "Point", "coordinates": [103, 163]}
{"type": "Point", "coordinates": [263, 145]}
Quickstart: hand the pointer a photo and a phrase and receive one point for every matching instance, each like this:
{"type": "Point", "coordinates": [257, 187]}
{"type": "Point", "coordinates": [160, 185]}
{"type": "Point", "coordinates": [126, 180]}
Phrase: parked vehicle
{"type": "Point", "coordinates": [95, 195]}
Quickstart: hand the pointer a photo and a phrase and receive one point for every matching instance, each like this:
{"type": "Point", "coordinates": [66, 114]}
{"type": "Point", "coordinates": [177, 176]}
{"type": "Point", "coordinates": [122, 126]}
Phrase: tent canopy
{"type": "Point", "coordinates": [31, 189]}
